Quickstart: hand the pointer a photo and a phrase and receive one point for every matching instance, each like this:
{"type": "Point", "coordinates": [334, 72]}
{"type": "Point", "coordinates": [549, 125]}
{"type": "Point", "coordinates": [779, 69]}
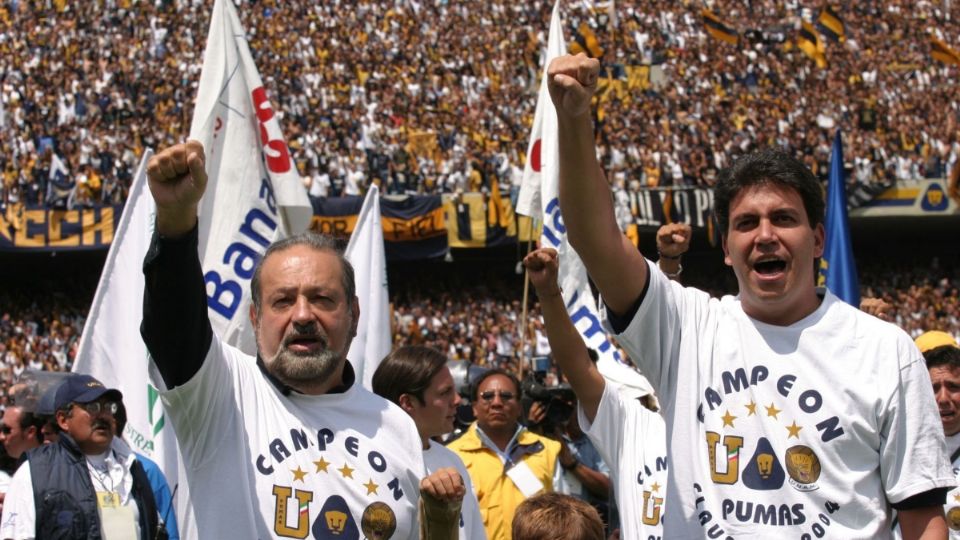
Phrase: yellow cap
{"type": "Point", "coordinates": [933, 339]}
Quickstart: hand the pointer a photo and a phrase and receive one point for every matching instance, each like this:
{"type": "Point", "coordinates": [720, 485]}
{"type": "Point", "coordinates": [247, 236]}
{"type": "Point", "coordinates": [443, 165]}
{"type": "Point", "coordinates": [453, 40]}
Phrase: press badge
{"type": "Point", "coordinates": [116, 522]}
{"type": "Point", "coordinates": [108, 499]}
{"type": "Point", "coordinates": [524, 479]}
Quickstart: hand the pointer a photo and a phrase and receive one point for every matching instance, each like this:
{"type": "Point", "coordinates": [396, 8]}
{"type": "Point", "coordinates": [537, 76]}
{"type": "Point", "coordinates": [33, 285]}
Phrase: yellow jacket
{"type": "Point", "coordinates": [496, 492]}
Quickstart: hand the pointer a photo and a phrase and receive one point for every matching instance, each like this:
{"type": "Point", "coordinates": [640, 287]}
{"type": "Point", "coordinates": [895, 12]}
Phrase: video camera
{"type": "Point", "coordinates": [559, 402]}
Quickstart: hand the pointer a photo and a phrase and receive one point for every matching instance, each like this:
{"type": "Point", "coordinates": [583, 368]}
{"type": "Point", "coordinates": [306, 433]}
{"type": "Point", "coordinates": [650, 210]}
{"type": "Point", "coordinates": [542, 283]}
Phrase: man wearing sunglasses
{"type": "Point", "coordinates": [19, 431]}
{"type": "Point", "coordinates": [507, 463]}
{"type": "Point", "coordinates": [88, 484]}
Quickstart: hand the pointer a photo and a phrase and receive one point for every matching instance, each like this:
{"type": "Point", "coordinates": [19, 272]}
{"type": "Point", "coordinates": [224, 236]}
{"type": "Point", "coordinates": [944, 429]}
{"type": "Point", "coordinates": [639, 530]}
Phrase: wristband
{"type": "Point", "coordinates": [668, 257]}
{"type": "Point", "coordinates": [674, 274]}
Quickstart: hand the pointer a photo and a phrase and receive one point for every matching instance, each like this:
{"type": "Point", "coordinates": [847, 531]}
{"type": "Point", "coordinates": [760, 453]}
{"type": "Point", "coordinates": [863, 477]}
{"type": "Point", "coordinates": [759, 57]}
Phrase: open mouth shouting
{"type": "Point", "coordinates": [770, 267]}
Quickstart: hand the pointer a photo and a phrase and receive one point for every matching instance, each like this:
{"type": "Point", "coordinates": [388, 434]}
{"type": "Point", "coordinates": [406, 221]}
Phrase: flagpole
{"type": "Point", "coordinates": [526, 296]}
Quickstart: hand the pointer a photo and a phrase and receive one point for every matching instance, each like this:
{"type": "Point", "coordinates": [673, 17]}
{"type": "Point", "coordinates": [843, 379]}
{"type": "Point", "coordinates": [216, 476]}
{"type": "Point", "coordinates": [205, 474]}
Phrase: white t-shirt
{"type": "Point", "coordinates": [471, 524]}
{"type": "Point", "coordinates": [264, 465]}
{"type": "Point", "coordinates": [807, 429]}
{"type": "Point", "coordinates": [109, 473]}
{"type": "Point", "coordinates": [951, 508]}
{"type": "Point", "coordinates": [632, 440]}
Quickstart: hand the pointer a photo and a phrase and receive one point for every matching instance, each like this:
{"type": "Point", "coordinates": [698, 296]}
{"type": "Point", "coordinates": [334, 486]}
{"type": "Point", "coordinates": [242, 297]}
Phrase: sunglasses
{"type": "Point", "coordinates": [95, 407]}
{"type": "Point", "coordinates": [490, 394]}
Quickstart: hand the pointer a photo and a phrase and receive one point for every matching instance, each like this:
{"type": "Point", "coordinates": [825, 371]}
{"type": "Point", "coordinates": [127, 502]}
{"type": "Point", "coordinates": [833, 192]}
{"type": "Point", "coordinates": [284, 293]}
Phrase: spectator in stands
{"type": "Point", "coordinates": [357, 101]}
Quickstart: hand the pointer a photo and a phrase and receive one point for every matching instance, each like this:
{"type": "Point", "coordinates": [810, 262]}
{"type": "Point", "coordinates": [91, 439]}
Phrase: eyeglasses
{"type": "Point", "coordinates": [95, 407]}
{"type": "Point", "coordinates": [490, 394]}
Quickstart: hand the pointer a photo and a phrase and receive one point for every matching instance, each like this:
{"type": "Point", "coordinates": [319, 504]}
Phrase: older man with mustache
{"type": "Point", "coordinates": [89, 484]}
{"type": "Point", "coordinates": [287, 443]}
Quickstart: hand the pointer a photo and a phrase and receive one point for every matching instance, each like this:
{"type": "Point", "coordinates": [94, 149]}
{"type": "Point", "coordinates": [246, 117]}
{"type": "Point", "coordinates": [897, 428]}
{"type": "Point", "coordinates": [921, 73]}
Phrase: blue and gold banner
{"type": "Point", "coordinates": [413, 227]}
{"type": "Point", "coordinates": [43, 229]}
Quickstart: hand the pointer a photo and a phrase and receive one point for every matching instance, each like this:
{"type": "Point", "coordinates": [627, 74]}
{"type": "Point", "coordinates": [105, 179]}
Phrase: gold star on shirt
{"type": "Point", "coordinates": [371, 487]}
{"type": "Point", "coordinates": [794, 430]}
{"type": "Point", "coordinates": [773, 411]}
{"type": "Point", "coordinates": [655, 487]}
{"type": "Point", "coordinates": [298, 474]}
{"type": "Point", "coordinates": [321, 464]}
{"type": "Point", "coordinates": [751, 408]}
{"type": "Point", "coordinates": [346, 471]}
{"type": "Point", "coordinates": [728, 419]}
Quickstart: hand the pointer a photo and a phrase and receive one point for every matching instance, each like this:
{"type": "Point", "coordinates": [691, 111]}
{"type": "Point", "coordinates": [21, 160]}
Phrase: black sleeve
{"type": "Point", "coordinates": [620, 322]}
{"type": "Point", "coordinates": [175, 326]}
{"type": "Point", "coordinates": [934, 497]}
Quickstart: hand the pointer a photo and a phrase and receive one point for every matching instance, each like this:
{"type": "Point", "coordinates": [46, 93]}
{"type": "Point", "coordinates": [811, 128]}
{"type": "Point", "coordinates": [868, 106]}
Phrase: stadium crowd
{"type": "Point", "coordinates": [434, 96]}
{"type": "Point", "coordinates": [478, 322]}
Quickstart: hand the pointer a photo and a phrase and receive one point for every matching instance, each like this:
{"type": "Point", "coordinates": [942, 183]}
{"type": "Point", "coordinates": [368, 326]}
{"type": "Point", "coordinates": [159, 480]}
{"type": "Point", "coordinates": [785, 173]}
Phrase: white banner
{"type": "Point", "coordinates": [573, 275]}
{"type": "Point", "coordinates": [542, 149]}
{"type": "Point", "coordinates": [366, 253]}
{"type": "Point", "coordinates": [111, 348]}
{"type": "Point", "coordinates": [254, 195]}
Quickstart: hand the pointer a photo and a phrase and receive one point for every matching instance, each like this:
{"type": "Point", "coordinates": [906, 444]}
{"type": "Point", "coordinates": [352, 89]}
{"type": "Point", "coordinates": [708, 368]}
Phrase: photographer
{"type": "Point", "coordinates": [552, 413]}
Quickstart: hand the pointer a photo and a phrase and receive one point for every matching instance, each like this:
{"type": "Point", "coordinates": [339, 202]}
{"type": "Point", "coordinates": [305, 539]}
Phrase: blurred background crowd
{"type": "Point", "coordinates": [467, 317]}
{"type": "Point", "coordinates": [427, 96]}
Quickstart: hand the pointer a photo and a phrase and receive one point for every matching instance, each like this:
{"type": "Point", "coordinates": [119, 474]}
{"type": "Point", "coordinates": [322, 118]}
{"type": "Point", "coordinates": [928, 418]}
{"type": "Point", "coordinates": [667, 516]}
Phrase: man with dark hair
{"type": "Point", "coordinates": [418, 380]}
{"type": "Point", "coordinates": [286, 443]}
{"type": "Point", "coordinates": [554, 516]}
{"type": "Point", "coordinates": [89, 484]}
{"type": "Point", "coordinates": [506, 462]}
{"type": "Point", "coordinates": [942, 354]}
{"type": "Point", "coordinates": [766, 431]}
{"type": "Point", "coordinates": [20, 431]}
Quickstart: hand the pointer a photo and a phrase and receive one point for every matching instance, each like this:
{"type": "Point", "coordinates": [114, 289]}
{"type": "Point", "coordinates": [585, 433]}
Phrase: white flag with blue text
{"type": "Point", "coordinates": [538, 198]}
{"type": "Point", "coordinates": [254, 195]}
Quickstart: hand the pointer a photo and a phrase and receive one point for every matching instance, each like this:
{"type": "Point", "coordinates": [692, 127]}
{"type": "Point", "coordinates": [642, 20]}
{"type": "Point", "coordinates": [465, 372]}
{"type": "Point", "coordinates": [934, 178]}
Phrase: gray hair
{"type": "Point", "coordinates": [317, 241]}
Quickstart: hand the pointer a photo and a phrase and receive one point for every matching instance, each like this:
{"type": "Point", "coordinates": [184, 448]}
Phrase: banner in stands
{"type": "Point", "coordinates": [413, 227]}
{"type": "Point", "coordinates": [917, 198]}
{"type": "Point", "coordinates": [43, 229]}
{"type": "Point", "coordinates": [418, 227]}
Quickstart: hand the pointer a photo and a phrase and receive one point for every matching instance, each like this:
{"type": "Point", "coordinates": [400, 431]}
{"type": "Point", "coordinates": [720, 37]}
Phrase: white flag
{"type": "Point", "coordinates": [542, 148]}
{"type": "Point", "coordinates": [539, 199]}
{"type": "Point", "coordinates": [254, 195]}
{"type": "Point", "coordinates": [111, 348]}
{"type": "Point", "coordinates": [366, 253]}
{"type": "Point", "coordinates": [58, 170]}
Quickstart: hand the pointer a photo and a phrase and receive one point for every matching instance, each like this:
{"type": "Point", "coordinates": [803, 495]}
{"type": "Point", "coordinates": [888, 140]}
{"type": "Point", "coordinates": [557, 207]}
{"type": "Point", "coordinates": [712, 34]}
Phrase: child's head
{"type": "Point", "coordinates": [552, 516]}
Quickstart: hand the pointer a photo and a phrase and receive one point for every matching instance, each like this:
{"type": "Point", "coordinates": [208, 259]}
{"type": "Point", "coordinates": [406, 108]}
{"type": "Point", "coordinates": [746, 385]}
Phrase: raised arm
{"type": "Point", "coordinates": [673, 240]}
{"type": "Point", "coordinates": [567, 346]}
{"type": "Point", "coordinates": [586, 201]}
{"type": "Point", "coordinates": [176, 327]}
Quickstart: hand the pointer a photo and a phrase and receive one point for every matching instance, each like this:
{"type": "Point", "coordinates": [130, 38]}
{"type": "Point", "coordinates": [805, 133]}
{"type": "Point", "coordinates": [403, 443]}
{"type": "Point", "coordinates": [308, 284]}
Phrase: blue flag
{"type": "Point", "coordinates": [838, 271]}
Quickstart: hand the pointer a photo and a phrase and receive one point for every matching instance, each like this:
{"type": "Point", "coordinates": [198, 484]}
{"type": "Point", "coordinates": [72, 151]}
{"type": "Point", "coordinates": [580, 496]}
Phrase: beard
{"type": "Point", "coordinates": [291, 367]}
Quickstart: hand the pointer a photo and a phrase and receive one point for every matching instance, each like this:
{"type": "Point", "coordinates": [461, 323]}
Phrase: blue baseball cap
{"type": "Point", "coordinates": [82, 388]}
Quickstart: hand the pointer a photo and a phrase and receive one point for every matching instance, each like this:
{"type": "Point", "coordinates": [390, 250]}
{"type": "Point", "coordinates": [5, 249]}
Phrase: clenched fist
{"type": "Point", "coordinates": [572, 80]}
{"type": "Point", "coordinates": [177, 180]}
